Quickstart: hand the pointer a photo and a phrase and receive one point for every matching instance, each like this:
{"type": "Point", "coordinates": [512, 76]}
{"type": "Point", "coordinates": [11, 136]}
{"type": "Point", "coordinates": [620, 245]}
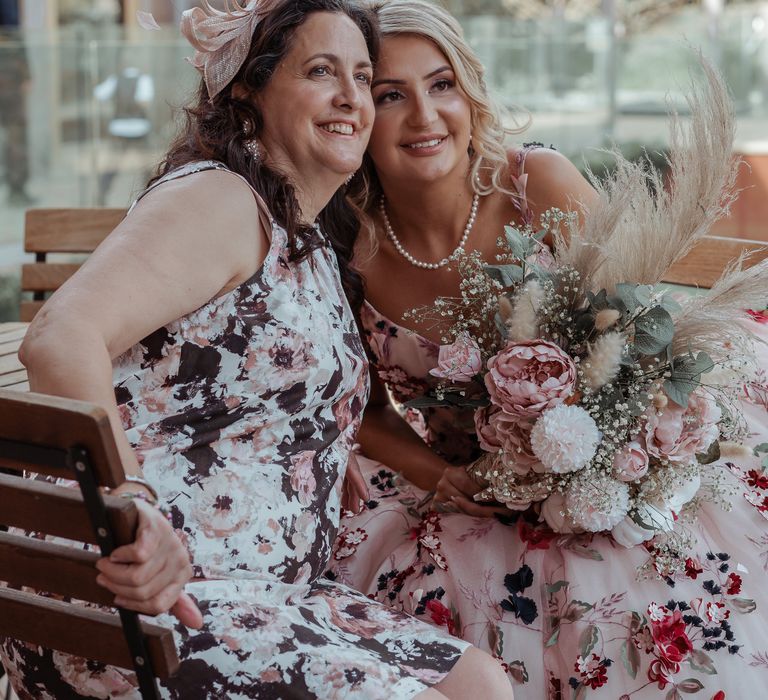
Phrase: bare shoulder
{"type": "Point", "coordinates": [554, 181]}
{"type": "Point", "coordinates": [198, 200]}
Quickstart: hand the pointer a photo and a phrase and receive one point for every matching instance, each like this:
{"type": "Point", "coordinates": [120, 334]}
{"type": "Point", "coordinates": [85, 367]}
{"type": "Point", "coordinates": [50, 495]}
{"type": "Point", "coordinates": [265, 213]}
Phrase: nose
{"type": "Point", "coordinates": [347, 95]}
{"type": "Point", "coordinates": [423, 112]}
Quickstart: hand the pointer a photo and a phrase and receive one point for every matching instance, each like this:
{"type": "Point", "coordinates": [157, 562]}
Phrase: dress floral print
{"type": "Point", "coordinates": [569, 616]}
{"type": "Point", "coordinates": [242, 415]}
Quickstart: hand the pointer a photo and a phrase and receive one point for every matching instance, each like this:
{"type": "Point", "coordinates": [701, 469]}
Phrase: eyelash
{"type": "Point", "coordinates": [442, 84]}
{"type": "Point", "coordinates": [322, 71]}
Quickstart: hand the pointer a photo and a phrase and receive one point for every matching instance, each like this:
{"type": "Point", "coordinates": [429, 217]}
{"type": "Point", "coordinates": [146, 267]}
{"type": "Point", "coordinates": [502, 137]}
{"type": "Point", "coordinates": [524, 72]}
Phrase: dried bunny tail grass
{"type": "Point", "coordinates": [522, 322]}
{"type": "Point", "coordinates": [649, 224]}
{"type": "Point", "coordinates": [604, 360]}
{"type": "Point", "coordinates": [701, 322]}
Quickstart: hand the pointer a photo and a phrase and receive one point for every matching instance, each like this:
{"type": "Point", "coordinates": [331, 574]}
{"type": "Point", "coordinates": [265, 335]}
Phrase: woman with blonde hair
{"type": "Point", "coordinates": [563, 618]}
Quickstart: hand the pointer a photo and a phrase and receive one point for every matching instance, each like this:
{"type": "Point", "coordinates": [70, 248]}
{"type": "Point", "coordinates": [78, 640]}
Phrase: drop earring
{"type": "Point", "coordinates": [251, 145]}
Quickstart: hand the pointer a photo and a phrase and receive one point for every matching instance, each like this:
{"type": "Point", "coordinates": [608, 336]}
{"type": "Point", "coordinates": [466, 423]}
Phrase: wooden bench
{"type": "Point", "coordinates": [56, 231]}
{"type": "Point", "coordinates": [705, 263]}
{"type": "Point", "coordinates": [73, 440]}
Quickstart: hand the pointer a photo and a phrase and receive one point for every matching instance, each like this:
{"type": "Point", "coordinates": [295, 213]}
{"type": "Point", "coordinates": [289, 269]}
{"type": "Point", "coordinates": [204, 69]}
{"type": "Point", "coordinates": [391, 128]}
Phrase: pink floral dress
{"type": "Point", "coordinates": [242, 414]}
{"type": "Point", "coordinates": [568, 616]}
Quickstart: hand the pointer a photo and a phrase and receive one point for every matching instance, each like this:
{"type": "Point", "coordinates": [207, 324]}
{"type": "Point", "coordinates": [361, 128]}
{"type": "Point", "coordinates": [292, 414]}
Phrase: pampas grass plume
{"type": "Point", "coordinates": [522, 324]}
{"type": "Point", "coordinates": [604, 360]}
{"type": "Point", "coordinates": [606, 318]}
{"type": "Point", "coordinates": [506, 310]}
{"type": "Point", "coordinates": [733, 450]}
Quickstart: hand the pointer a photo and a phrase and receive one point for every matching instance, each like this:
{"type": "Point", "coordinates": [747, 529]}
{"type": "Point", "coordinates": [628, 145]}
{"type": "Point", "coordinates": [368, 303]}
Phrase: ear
{"type": "Point", "coordinates": [240, 92]}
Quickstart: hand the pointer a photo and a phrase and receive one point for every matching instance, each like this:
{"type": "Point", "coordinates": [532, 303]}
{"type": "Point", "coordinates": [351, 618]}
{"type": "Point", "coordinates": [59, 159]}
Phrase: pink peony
{"type": "Point", "coordinates": [459, 361]}
{"type": "Point", "coordinates": [630, 463]}
{"type": "Point", "coordinates": [678, 433]}
{"type": "Point", "coordinates": [526, 378]}
{"type": "Point", "coordinates": [500, 432]}
{"type": "Point", "coordinates": [486, 430]}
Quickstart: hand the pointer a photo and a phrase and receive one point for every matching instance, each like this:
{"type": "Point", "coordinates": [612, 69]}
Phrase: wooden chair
{"type": "Point", "coordinates": [706, 262]}
{"type": "Point", "coordinates": [70, 439]}
{"type": "Point", "coordinates": [49, 231]}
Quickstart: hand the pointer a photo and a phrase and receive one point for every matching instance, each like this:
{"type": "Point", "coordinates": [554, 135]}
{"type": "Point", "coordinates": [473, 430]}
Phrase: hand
{"type": "Point", "coordinates": [354, 489]}
{"type": "Point", "coordinates": [149, 575]}
{"type": "Point", "coordinates": [456, 489]}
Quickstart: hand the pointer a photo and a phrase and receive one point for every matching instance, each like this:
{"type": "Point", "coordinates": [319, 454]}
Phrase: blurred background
{"type": "Point", "coordinates": [88, 99]}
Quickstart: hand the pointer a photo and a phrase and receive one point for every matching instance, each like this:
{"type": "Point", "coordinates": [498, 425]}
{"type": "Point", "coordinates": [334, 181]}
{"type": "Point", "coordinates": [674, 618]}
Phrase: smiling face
{"type": "Point", "coordinates": [423, 119]}
{"type": "Point", "coordinates": [317, 106]}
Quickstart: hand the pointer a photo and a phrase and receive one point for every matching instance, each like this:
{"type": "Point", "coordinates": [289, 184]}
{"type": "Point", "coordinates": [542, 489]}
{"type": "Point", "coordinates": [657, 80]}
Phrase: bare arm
{"type": "Point", "coordinates": [184, 243]}
{"type": "Point", "coordinates": [385, 436]}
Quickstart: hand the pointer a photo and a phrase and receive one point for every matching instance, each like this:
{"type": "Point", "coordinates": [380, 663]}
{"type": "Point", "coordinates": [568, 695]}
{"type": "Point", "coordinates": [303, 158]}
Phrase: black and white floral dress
{"type": "Point", "coordinates": [242, 414]}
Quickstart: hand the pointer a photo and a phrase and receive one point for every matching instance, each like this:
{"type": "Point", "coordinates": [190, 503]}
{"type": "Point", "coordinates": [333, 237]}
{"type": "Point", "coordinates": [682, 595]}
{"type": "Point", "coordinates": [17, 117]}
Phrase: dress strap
{"type": "Point", "coordinates": [520, 180]}
{"type": "Point", "coordinates": [199, 166]}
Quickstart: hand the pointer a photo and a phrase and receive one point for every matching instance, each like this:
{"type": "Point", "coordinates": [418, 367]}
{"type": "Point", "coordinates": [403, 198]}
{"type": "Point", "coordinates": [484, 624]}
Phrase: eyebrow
{"type": "Point", "coordinates": [335, 59]}
{"type": "Point", "coordinates": [394, 81]}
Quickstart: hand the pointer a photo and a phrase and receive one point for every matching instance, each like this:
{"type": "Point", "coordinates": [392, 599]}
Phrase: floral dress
{"type": "Point", "coordinates": [242, 414]}
{"type": "Point", "coordinates": [569, 616]}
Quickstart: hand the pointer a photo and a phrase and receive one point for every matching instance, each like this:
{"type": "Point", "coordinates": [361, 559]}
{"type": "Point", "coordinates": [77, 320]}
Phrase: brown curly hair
{"type": "Point", "coordinates": [214, 130]}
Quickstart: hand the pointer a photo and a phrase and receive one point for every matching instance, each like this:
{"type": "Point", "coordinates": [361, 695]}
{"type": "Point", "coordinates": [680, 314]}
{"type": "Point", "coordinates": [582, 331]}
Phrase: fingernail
{"type": "Point", "coordinates": [100, 581]}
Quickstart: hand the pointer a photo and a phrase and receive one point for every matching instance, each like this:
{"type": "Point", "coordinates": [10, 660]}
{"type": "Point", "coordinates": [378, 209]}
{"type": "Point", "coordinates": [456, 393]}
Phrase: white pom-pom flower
{"type": "Point", "coordinates": [596, 502]}
{"type": "Point", "coordinates": [565, 438]}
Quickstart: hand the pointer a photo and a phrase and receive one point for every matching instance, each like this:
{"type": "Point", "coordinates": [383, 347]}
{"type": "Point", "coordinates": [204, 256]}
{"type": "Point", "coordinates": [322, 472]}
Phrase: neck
{"type": "Point", "coordinates": [430, 216]}
{"type": "Point", "coordinates": [313, 191]}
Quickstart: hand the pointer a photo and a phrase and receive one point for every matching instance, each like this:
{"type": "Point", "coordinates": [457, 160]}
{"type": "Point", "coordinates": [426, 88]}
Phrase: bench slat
{"type": "Point", "coordinates": [39, 506]}
{"type": "Point", "coordinates": [45, 277]}
{"type": "Point", "coordinates": [703, 266]}
{"type": "Point", "coordinates": [50, 623]}
{"type": "Point", "coordinates": [60, 423]}
{"type": "Point", "coordinates": [68, 230]}
{"type": "Point", "coordinates": [51, 568]}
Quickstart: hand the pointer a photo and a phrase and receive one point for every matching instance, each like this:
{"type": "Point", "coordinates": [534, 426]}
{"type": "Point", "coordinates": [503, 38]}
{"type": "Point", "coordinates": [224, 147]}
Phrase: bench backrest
{"type": "Point", "coordinates": [61, 438]}
{"type": "Point", "coordinates": [710, 256]}
{"type": "Point", "coordinates": [49, 231]}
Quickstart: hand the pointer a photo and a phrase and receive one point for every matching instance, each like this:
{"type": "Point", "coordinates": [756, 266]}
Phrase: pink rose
{"type": "Point", "coordinates": [630, 463]}
{"type": "Point", "coordinates": [459, 361]}
{"type": "Point", "coordinates": [525, 379]}
{"type": "Point", "coordinates": [499, 432]}
{"type": "Point", "coordinates": [678, 433]}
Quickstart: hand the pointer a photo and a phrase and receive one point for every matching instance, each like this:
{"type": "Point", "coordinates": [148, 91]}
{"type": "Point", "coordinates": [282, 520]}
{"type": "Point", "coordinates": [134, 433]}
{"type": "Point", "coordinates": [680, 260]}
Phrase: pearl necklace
{"type": "Point", "coordinates": [420, 263]}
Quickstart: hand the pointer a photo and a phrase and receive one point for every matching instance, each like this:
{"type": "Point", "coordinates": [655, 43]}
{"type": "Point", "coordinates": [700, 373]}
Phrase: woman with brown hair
{"type": "Point", "coordinates": [212, 326]}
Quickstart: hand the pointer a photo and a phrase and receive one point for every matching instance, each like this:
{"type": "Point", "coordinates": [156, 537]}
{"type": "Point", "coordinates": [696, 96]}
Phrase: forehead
{"type": "Point", "coordinates": [328, 33]}
{"type": "Point", "coordinates": [409, 53]}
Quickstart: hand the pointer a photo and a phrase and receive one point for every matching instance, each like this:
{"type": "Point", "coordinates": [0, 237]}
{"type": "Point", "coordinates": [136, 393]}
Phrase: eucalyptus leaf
{"type": "Point", "coordinates": [520, 244]}
{"type": "Point", "coordinates": [627, 294]}
{"type": "Point", "coordinates": [505, 275]}
{"type": "Point", "coordinates": [679, 390]}
{"type": "Point", "coordinates": [599, 301]}
{"type": "Point", "coordinates": [654, 330]}
{"type": "Point", "coordinates": [711, 455]}
{"type": "Point", "coordinates": [669, 303]}
{"type": "Point", "coordinates": [643, 294]}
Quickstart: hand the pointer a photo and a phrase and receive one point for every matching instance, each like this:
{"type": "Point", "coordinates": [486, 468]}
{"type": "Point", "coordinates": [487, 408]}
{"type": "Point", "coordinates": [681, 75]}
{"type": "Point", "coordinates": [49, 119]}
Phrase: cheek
{"type": "Point", "coordinates": [381, 140]}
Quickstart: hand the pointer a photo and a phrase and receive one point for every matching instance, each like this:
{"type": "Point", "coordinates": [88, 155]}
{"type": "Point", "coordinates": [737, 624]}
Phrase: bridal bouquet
{"type": "Point", "coordinates": [599, 399]}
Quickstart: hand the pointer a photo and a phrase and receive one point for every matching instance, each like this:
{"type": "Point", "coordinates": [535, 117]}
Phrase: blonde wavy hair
{"type": "Point", "coordinates": [489, 162]}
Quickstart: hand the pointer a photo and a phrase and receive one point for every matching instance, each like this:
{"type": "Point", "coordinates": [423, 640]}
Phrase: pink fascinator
{"type": "Point", "coordinates": [222, 38]}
